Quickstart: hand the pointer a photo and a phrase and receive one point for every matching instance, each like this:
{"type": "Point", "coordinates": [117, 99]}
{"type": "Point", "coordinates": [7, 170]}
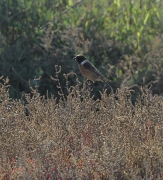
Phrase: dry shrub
{"type": "Point", "coordinates": [81, 138]}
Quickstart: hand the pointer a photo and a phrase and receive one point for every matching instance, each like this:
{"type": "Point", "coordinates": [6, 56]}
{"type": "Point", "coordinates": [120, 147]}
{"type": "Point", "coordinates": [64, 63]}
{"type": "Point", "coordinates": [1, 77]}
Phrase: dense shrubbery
{"type": "Point", "coordinates": [81, 138]}
{"type": "Point", "coordinates": [122, 38]}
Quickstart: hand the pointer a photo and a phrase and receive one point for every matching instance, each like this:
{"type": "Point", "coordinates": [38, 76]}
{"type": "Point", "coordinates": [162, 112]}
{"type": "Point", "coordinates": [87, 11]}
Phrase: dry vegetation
{"type": "Point", "coordinates": [81, 138]}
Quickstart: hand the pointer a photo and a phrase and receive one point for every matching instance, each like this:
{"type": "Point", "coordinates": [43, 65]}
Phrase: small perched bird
{"type": "Point", "coordinates": [88, 70]}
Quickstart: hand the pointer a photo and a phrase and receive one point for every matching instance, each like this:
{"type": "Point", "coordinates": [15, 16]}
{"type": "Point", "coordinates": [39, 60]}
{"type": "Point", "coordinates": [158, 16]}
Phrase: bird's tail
{"type": "Point", "coordinates": [104, 80]}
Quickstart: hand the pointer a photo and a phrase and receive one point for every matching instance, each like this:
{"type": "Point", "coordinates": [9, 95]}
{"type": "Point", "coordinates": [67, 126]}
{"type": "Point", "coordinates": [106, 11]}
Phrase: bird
{"type": "Point", "coordinates": [88, 70]}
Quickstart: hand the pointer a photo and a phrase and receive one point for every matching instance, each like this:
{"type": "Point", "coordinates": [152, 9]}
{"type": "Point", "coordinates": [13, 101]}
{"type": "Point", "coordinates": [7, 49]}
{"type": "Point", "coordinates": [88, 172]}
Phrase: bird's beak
{"type": "Point", "coordinates": [74, 58]}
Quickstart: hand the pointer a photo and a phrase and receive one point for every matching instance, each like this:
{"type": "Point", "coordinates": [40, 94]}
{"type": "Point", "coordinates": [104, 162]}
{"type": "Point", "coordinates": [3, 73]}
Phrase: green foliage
{"type": "Point", "coordinates": [117, 36]}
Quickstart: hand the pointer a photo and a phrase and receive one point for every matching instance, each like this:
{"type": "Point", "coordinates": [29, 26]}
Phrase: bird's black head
{"type": "Point", "coordinates": [79, 58]}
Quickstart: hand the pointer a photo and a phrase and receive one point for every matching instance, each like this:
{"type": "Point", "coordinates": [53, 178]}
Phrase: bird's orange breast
{"type": "Point", "coordinates": [88, 74]}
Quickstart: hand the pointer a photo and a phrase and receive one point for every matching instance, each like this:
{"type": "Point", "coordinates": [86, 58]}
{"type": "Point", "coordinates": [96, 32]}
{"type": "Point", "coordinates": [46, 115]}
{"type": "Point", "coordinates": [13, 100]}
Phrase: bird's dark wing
{"type": "Point", "coordinates": [90, 67]}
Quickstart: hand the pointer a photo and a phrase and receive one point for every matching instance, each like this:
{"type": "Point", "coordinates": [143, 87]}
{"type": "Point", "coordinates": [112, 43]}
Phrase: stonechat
{"type": "Point", "coordinates": [88, 70]}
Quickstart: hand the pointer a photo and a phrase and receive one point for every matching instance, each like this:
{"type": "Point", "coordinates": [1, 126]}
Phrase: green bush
{"type": "Point", "coordinates": [117, 36]}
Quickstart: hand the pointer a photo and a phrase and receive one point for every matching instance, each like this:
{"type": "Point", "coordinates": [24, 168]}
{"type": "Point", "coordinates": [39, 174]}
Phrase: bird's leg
{"type": "Point", "coordinates": [89, 85]}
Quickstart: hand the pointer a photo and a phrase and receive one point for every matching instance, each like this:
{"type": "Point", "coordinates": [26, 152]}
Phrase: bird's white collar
{"type": "Point", "coordinates": [82, 63]}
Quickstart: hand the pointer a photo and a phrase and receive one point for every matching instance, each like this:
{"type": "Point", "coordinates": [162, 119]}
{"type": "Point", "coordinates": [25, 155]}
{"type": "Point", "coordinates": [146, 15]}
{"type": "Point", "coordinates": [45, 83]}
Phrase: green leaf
{"type": "Point", "coordinates": [70, 3]}
{"type": "Point", "coordinates": [146, 18]}
{"type": "Point", "coordinates": [86, 24]}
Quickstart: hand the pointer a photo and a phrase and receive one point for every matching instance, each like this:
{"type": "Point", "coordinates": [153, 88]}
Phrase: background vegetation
{"type": "Point", "coordinates": [122, 38]}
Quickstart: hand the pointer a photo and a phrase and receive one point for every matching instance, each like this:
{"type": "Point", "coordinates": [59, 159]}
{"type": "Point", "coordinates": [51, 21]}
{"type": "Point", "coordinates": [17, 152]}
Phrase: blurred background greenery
{"type": "Point", "coordinates": [122, 38]}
